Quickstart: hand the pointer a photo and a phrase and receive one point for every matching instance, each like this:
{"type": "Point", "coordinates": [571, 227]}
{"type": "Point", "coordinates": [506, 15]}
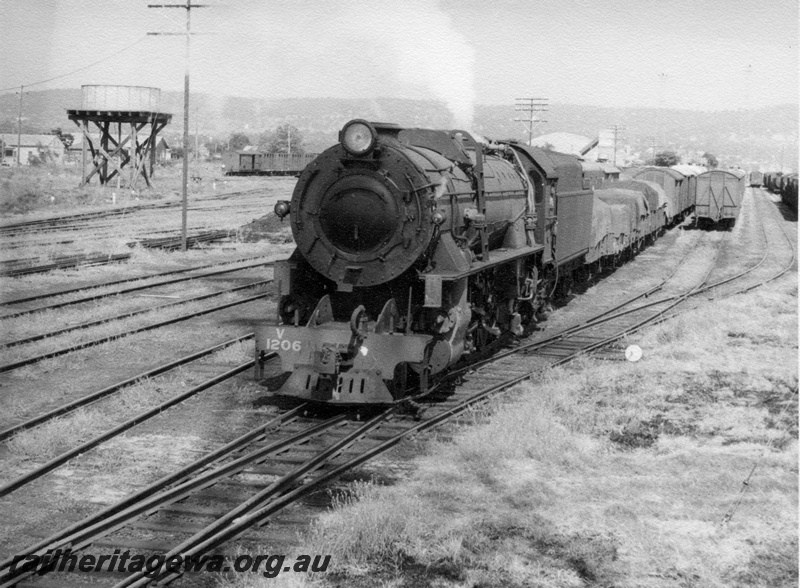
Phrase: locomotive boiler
{"type": "Point", "coordinates": [415, 247]}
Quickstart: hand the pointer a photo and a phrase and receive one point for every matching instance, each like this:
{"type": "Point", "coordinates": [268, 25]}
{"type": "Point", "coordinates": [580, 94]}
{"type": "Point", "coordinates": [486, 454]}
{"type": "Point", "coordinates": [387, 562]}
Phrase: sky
{"type": "Point", "coordinates": [692, 54]}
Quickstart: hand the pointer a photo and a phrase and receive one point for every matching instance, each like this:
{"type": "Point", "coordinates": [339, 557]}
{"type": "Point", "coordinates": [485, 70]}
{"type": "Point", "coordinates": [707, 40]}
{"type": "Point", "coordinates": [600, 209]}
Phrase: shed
{"type": "Point", "coordinates": [33, 148]}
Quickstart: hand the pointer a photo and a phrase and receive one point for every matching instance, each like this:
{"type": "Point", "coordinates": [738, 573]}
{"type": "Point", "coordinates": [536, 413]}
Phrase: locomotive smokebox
{"type": "Point", "coordinates": [362, 211]}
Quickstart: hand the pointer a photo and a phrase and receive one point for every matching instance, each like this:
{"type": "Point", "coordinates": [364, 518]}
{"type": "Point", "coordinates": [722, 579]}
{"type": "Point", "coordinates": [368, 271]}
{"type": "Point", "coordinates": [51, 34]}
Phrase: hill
{"type": "Point", "coordinates": [736, 137]}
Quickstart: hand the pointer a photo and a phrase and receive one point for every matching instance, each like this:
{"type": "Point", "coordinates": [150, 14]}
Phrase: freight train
{"type": "Point", "coordinates": [418, 249]}
{"type": "Point", "coordinates": [783, 184]}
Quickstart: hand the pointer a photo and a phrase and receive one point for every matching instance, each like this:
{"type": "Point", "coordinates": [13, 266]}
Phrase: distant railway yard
{"type": "Point", "coordinates": [644, 434]}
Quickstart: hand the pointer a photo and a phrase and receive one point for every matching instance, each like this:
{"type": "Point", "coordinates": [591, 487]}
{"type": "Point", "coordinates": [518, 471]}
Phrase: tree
{"type": "Point", "coordinates": [667, 158]}
{"type": "Point", "coordinates": [238, 141]}
{"type": "Point", "coordinates": [284, 139]}
{"type": "Point", "coordinates": [711, 160]}
{"type": "Point", "coordinates": [66, 138]}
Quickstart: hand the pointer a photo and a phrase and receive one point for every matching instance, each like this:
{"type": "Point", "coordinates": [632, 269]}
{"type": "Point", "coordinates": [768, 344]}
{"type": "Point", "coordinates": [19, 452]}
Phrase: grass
{"type": "Point", "coordinates": [604, 473]}
{"type": "Point", "coordinates": [113, 328]}
{"type": "Point", "coordinates": [50, 439]}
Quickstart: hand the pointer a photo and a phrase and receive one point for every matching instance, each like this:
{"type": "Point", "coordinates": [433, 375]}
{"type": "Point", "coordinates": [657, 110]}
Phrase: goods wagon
{"type": "Point", "coordinates": [719, 196]}
{"type": "Point", "coordinates": [756, 179]}
{"type": "Point", "coordinates": [789, 190]}
{"type": "Point", "coordinates": [258, 163]}
{"type": "Point", "coordinates": [675, 185]}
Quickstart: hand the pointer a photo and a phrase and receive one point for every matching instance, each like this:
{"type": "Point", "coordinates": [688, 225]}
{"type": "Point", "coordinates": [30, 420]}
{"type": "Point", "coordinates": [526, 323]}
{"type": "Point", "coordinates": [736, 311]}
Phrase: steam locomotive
{"type": "Point", "coordinates": [418, 248]}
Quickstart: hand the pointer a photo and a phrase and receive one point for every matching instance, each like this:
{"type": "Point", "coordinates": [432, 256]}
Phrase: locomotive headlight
{"type": "Point", "coordinates": [358, 137]}
{"type": "Point", "coordinates": [281, 208]}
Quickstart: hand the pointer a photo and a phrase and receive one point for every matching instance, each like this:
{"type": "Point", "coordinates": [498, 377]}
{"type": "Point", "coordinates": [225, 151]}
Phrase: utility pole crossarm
{"type": "Point", "coordinates": [530, 106]}
{"type": "Point", "coordinates": [617, 130]}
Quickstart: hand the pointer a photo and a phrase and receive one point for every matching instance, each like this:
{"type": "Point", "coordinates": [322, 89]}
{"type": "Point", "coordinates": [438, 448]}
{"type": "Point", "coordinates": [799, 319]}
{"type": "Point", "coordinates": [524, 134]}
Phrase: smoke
{"type": "Point", "coordinates": [431, 53]}
{"type": "Point", "coordinates": [347, 49]}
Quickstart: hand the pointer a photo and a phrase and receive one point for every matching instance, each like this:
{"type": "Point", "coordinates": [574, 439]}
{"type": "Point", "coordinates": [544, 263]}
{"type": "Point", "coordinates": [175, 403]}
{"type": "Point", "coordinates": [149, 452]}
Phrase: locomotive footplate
{"type": "Point", "coordinates": [326, 365]}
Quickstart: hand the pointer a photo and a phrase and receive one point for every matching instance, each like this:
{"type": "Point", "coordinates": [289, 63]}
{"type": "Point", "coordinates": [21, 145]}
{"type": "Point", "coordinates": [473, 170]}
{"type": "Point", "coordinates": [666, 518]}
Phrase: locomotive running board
{"type": "Point", "coordinates": [451, 271]}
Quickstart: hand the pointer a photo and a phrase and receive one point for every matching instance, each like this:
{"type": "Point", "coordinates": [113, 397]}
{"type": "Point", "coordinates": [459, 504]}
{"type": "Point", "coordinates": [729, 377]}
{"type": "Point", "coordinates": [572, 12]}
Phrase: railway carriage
{"type": "Point", "coordinates": [755, 179]}
{"type": "Point", "coordinates": [719, 196]}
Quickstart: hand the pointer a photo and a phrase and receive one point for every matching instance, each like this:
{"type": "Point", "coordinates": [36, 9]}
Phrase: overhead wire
{"type": "Point", "coordinates": [106, 58]}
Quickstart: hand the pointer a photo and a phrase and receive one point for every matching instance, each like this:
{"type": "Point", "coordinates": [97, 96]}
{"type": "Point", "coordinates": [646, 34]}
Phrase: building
{"type": "Point", "coordinates": [33, 149]}
{"type": "Point", "coordinates": [163, 150]}
{"type": "Point", "coordinates": [561, 142]}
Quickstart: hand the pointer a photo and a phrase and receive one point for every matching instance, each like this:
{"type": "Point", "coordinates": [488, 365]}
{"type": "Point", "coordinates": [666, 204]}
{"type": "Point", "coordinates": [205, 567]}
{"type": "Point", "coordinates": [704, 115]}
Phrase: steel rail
{"type": "Point", "coordinates": [199, 464]}
{"type": "Point", "coordinates": [120, 212]}
{"type": "Point", "coordinates": [163, 493]}
{"type": "Point", "coordinates": [28, 361]}
{"type": "Point", "coordinates": [200, 540]}
{"type": "Point", "coordinates": [99, 394]}
{"type": "Point", "coordinates": [780, 272]}
{"type": "Point", "coordinates": [574, 329]}
{"type": "Point", "coordinates": [243, 522]}
{"type": "Point", "coordinates": [130, 314]}
{"type": "Point", "coordinates": [38, 269]}
{"type": "Point", "coordinates": [131, 289]}
{"type": "Point", "coordinates": [242, 519]}
{"type": "Point", "coordinates": [122, 427]}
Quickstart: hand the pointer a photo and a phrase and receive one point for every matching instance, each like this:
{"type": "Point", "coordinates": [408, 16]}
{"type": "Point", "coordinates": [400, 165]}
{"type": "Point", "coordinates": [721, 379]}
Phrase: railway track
{"type": "Point", "coordinates": [131, 314]}
{"type": "Point", "coordinates": [170, 321]}
{"type": "Point", "coordinates": [129, 289]}
{"type": "Point", "coordinates": [65, 262]}
{"type": "Point", "coordinates": [92, 397]}
{"type": "Point", "coordinates": [71, 261]}
{"type": "Point", "coordinates": [120, 428]}
{"type": "Point", "coordinates": [340, 453]}
{"type": "Point", "coordinates": [60, 222]}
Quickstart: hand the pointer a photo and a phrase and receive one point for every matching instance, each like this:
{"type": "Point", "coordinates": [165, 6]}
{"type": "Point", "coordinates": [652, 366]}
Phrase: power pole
{"type": "Point", "coordinates": [185, 193]}
{"type": "Point", "coordinates": [530, 106]}
{"type": "Point", "coordinates": [19, 125]}
{"type": "Point", "coordinates": [289, 139]}
{"type": "Point", "coordinates": [652, 141]}
{"type": "Point", "coordinates": [662, 79]}
{"type": "Point", "coordinates": [617, 130]}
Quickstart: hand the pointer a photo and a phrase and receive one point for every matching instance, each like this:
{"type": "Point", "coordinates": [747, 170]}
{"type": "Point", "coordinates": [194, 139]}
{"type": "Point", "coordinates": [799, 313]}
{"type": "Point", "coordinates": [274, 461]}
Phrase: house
{"type": "Point", "coordinates": [163, 151]}
{"type": "Point", "coordinates": [33, 149]}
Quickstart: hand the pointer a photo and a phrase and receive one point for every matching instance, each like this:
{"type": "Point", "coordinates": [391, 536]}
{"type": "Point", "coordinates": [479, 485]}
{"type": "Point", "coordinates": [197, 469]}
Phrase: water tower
{"type": "Point", "coordinates": [129, 119]}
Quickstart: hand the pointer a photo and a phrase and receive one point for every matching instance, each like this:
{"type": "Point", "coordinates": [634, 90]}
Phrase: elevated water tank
{"type": "Point", "coordinates": [123, 98]}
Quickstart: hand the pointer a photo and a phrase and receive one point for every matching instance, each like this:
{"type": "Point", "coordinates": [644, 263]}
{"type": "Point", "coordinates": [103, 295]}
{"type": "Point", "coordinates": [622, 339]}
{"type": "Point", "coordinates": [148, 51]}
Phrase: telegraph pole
{"type": "Point", "coordinates": [185, 193]}
{"type": "Point", "coordinates": [617, 130]}
{"type": "Point", "coordinates": [652, 140]}
{"type": "Point", "coordinates": [530, 106]}
{"type": "Point", "coordinates": [19, 125]}
{"type": "Point", "coordinates": [662, 79]}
